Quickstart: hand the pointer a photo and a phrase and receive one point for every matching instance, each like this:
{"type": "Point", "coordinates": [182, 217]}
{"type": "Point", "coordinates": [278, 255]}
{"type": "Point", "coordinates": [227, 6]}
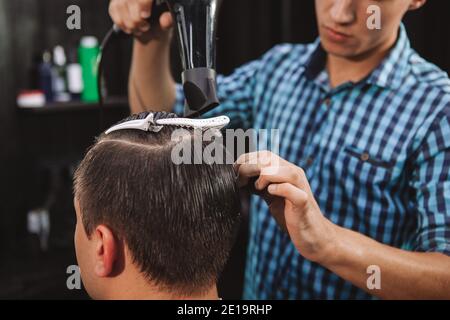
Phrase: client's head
{"type": "Point", "coordinates": [146, 227]}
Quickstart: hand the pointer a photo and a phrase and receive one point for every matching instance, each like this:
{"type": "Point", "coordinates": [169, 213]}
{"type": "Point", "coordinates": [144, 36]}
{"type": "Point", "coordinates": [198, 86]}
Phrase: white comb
{"type": "Point", "coordinates": [211, 123]}
{"type": "Point", "coordinates": [149, 125]}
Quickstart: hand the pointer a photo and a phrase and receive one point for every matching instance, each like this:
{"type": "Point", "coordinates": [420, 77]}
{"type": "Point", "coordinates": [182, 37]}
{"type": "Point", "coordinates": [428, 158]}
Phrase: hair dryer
{"type": "Point", "coordinates": [195, 23]}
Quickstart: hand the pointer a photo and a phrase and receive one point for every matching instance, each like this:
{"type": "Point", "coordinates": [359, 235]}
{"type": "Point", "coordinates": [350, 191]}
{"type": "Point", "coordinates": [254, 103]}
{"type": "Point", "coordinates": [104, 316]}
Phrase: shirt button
{"type": "Point", "coordinates": [309, 161]}
{"type": "Point", "coordinates": [327, 102]}
{"type": "Point", "coordinates": [365, 156]}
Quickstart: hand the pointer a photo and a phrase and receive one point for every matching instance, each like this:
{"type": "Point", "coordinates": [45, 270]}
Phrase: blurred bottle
{"type": "Point", "coordinates": [38, 224]}
{"type": "Point", "coordinates": [60, 91]}
{"type": "Point", "coordinates": [88, 53]}
{"type": "Point", "coordinates": [74, 76]}
{"type": "Point", "coordinates": [45, 76]}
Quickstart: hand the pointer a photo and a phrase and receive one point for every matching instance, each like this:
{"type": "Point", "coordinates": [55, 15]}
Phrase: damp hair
{"type": "Point", "coordinates": [178, 221]}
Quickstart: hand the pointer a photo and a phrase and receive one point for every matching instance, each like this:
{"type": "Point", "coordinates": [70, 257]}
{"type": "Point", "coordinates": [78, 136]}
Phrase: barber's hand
{"type": "Point", "coordinates": [285, 188]}
{"type": "Point", "coordinates": [132, 17]}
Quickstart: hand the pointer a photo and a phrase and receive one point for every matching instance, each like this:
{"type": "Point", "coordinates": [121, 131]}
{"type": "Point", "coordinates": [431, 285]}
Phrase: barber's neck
{"type": "Point", "coordinates": [354, 69]}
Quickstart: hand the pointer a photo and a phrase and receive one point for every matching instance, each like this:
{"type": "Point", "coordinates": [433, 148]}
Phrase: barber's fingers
{"type": "Point", "coordinates": [293, 194]}
{"type": "Point", "coordinates": [246, 173]}
{"type": "Point", "coordinates": [145, 7]}
{"type": "Point", "coordinates": [297, 215]}
{"type": "Point", "coordinates": [250, 164]}
{"type": "Point", "coordinates": [246, 169]}
{"type": "Point", "coordinates": [120, 14]}
{"type": "Point", "coordinates": [116, 13]}
{"type": "Point", "coordinates": [288, 173]}
{"type": "Point", "coordinates": [240, 161]}
{"type": "Point", "coordinates": [140, 11]}
{"type": "Point", "coordinates": [131, 15]}
{"type": "Point", "coordinates": [262, 158]}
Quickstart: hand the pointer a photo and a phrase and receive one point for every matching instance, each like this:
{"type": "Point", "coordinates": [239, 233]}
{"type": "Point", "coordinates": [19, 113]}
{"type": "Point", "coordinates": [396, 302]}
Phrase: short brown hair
{"type": "Point", "coordinates": [178, 221]}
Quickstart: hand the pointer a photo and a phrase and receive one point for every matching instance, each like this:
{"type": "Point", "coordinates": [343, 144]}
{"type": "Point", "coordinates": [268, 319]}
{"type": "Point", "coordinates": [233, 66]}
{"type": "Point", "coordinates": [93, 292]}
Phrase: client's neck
{"type": "Point", "coordinates": [210, 294]}
{"type": "Point", "coordinates": [141, 291]}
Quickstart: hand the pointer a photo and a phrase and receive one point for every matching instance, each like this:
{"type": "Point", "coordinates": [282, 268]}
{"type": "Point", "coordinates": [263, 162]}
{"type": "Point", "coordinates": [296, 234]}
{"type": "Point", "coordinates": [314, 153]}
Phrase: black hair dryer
{"type": "Point", "coordinates": [196, 23]}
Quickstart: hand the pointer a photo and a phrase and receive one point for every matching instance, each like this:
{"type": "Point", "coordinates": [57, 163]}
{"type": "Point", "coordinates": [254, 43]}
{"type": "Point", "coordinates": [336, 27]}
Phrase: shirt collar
{"type": "Point", "coordinates": [389, 74]}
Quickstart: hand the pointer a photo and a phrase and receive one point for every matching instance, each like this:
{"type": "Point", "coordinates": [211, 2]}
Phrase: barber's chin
{"type": "Point", "coordinates": [338, 50]}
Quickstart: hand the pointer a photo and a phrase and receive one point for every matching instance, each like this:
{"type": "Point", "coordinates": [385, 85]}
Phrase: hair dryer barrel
{"type": "Point", "coordinates": [196, 23]}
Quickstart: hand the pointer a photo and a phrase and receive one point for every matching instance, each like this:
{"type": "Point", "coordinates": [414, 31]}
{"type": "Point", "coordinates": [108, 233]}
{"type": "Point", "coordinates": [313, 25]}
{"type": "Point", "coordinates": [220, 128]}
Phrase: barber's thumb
{"type": "Point", "coordinates": [166, 20]}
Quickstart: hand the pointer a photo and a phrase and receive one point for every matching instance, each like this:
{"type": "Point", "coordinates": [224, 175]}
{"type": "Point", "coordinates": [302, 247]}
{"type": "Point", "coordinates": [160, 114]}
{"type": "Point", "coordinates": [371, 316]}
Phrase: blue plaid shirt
{"type": "Point", "coordinates": [376, 153]}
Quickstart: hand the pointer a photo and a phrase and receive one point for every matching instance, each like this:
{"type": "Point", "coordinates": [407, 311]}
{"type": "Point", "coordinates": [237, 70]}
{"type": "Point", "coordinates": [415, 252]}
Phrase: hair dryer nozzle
{"type": "Point", "coordinates": [199, 86]}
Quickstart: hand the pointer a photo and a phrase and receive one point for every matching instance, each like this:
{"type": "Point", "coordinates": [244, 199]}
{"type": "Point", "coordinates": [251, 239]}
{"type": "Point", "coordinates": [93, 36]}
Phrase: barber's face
{"type": "Point", "coordinates": [343, 24]}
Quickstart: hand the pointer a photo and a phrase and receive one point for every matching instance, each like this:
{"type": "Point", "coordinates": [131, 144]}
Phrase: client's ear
{"type": "Point", "coordinates": [106, 250]}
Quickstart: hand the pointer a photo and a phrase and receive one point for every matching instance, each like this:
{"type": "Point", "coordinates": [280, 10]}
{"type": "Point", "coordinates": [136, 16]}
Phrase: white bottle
{"type": "Point", "coordinates": [59, 75]}
{"type": "Point", "coordinates": [74, 76]}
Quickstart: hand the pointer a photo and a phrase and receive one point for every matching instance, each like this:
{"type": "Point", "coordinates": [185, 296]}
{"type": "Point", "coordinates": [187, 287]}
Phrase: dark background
{"type": "Point", "coordinates": [39, 149]}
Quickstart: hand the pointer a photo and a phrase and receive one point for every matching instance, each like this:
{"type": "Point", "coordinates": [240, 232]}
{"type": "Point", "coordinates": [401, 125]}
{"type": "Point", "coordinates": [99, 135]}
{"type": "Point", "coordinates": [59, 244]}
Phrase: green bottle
{"type": "Point", "coordinates": [88, 53]}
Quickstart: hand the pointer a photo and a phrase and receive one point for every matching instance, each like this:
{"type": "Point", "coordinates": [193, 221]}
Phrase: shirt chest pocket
{"type": "Point", "coordinates": [362, 169]}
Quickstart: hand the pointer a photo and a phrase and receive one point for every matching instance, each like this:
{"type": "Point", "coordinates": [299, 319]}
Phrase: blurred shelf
{"type": "Point", "coordinates": [75, 106]}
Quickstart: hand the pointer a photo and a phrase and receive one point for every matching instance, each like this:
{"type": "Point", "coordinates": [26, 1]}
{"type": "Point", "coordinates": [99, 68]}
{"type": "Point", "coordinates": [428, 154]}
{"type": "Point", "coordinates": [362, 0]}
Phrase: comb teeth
{"type": "Point", "coordinates": [144, 115]}
{"type": "Point", "coordinates": [163, 115]}
{"type": "Point", "coordinates": [138, 116]}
